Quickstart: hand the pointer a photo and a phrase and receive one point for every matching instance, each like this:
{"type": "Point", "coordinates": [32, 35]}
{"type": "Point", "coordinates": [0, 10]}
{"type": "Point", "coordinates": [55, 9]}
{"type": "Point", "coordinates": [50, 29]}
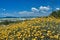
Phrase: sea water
{"type": "Point", "coordinates": [13, 19]}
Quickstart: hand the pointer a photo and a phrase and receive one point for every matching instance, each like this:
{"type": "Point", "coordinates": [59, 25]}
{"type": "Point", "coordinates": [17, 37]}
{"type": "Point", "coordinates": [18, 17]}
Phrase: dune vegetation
{"type": "Point", "coordinates": [34, 29]}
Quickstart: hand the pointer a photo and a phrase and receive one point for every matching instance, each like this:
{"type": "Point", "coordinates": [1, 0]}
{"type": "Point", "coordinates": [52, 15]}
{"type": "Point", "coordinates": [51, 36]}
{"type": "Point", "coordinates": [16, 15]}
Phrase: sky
{"type": "Point", "coordinates": [20, 8]}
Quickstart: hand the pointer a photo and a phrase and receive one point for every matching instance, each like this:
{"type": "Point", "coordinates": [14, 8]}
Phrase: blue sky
{"type": "Point", "coordinates": [28, 7]}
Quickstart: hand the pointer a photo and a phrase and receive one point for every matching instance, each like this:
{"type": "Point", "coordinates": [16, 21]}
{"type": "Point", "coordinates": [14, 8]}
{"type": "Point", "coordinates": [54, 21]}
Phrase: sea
{"type": "Point", "coordinates": [13, 19]}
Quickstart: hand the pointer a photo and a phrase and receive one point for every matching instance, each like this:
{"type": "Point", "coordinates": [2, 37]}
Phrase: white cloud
{"type": "Point", "coordinates": [46, 8]}
{"type": "Point", "coordinates": [57, 8]}
{"type": "Point", "coordinates": [43, 12]}
{"type": "Point", "coordinates": [25, 12]}
{"type": "Point", "coordinates": [36, 12]}
{"type": "Point", "coordinates": [34, 9]}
